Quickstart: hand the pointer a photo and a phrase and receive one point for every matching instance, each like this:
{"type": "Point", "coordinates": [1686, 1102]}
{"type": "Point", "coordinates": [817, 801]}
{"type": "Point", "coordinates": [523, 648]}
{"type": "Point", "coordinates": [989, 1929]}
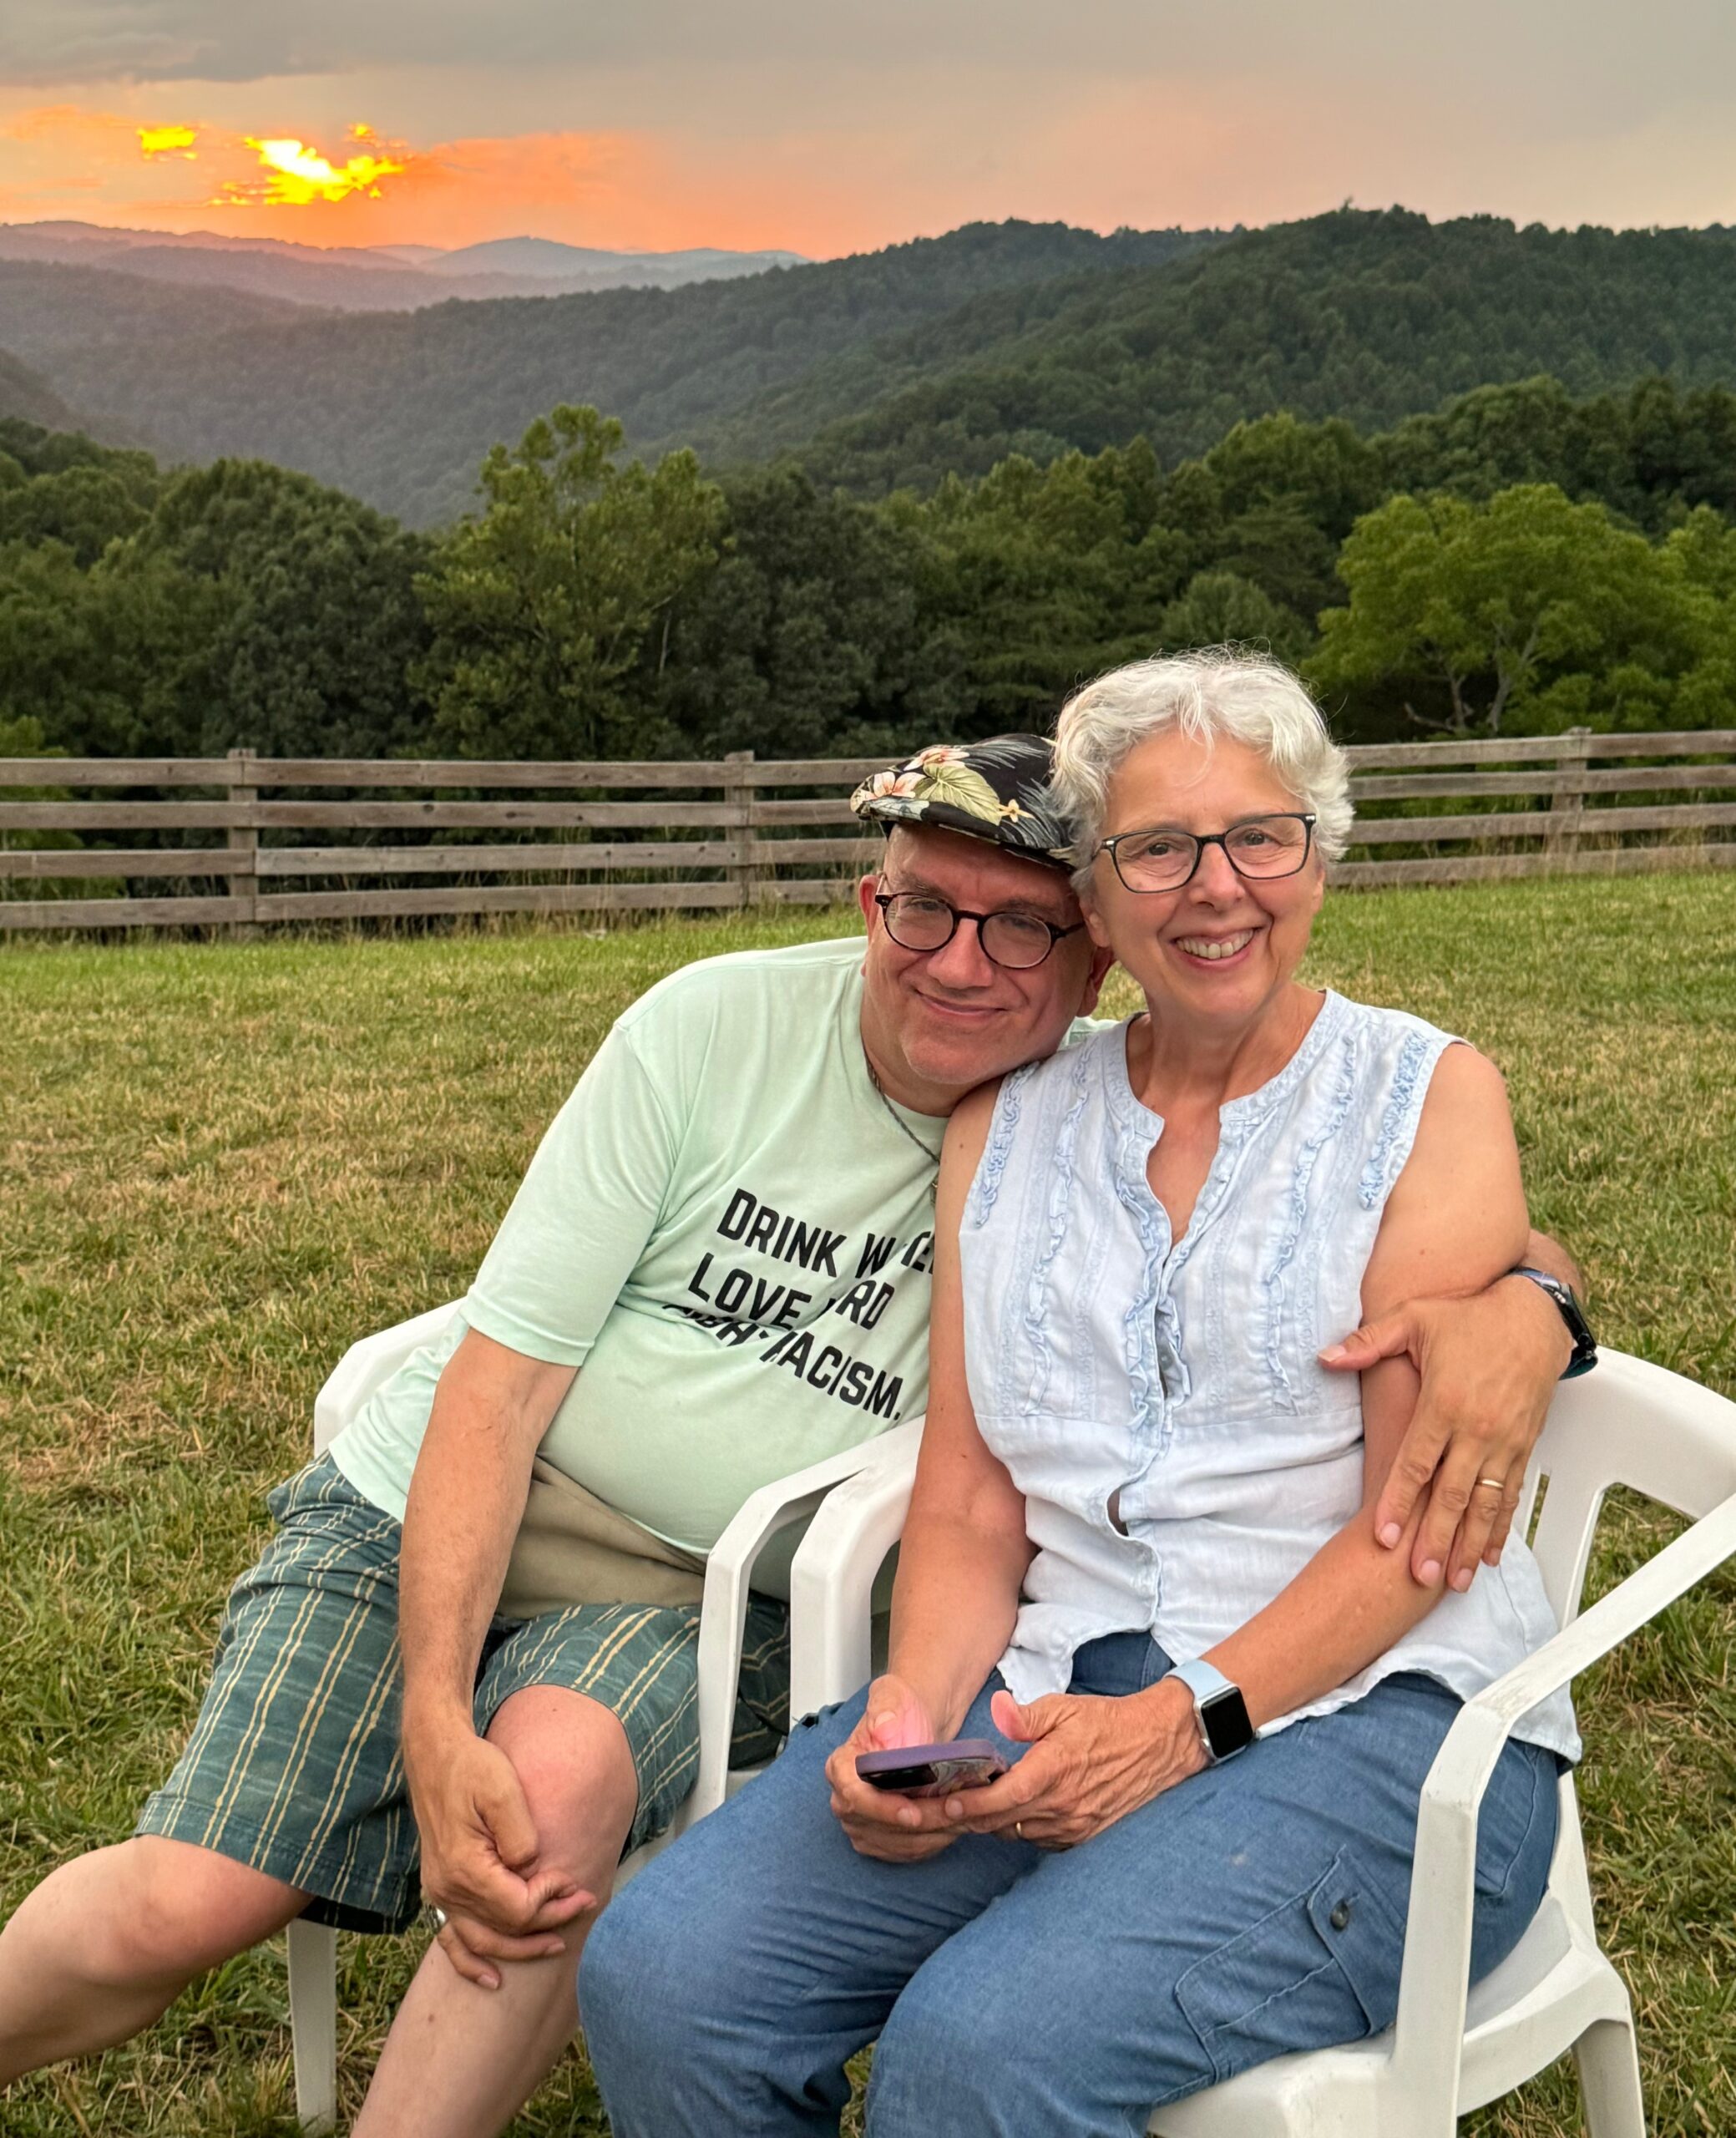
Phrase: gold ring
{"type": "Point", "coordinates": [1499, 1484]}
{"type": "Point", "coordinates": [1019, 1828]}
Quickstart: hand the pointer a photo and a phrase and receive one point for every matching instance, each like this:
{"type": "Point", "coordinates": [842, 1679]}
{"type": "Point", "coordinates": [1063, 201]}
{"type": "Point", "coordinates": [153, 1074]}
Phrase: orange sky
{"type": "Point", "coordinates": [751, 124]}
{"type": "Point", "coordinates": [172, 171]}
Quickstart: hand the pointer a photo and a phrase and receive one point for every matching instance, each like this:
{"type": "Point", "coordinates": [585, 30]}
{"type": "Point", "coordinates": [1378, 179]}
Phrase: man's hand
{"type": "Point", "coordinates": [479, 1860]}
{"type": "Point", "coordinates": [1489, 1367]}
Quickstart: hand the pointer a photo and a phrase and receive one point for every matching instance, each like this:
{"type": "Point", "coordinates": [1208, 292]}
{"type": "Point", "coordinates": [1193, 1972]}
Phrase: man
{"type": "Point", "coordinates": [715, 1271]}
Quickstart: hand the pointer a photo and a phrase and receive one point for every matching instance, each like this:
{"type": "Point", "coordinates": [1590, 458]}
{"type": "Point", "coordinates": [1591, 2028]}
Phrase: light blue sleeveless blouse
{"type": "Point", "coordinates": [1104, 1356]}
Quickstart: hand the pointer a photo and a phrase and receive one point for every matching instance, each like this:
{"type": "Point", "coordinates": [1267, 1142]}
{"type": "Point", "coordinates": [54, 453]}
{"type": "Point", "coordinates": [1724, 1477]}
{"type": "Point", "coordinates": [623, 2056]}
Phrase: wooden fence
{"type": "Point", "coordinates": [229, 845]}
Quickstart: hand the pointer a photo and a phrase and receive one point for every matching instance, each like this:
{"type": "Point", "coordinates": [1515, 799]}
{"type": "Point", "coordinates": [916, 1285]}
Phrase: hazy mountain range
{"type": "Point", "coordinates": [400, 407]}
{"type": "Point", "coordinates": [890, 368]}
{"type": "Point", "coordinates": [373, 278]}
{"type": "Point", "coordinates": [27, 395]}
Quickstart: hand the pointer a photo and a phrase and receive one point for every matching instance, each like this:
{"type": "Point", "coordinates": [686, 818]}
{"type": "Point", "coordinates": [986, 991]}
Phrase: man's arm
{"type": "Point", "coordinates": [466, 1498]}
{"type": "Point", "coordinates": [1489, 1365]}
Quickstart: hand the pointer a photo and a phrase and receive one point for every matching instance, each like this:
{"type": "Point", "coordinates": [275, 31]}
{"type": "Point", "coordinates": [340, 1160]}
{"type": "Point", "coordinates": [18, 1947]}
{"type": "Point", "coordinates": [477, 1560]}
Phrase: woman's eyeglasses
{"type": "Point", "coordinates": [1261, 848]}
{"type": "Point", "coordinates": [917, 920]}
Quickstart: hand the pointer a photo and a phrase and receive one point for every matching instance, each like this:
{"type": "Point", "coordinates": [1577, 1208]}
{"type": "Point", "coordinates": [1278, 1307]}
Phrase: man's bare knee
{"type": "Point", "coordinates": [575, 1766]}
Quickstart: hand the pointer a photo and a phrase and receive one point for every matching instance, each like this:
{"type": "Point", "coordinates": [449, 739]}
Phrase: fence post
{"type": "Point", "coordinates": [1566, 812]}
{"type": "Point", "coordinates": [739, 789]}
{"type": "Point", "coordinates": [243, 838]}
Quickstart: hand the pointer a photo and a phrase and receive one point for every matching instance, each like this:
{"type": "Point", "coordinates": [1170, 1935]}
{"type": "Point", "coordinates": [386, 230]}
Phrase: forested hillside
{"type": "Point", "coordinates": [401, 408]}
{"type": "Point", "coordinates": [898, 368]}
{"type": "Point", "coordinates": [1369, 317]}
{"type": "Point", "coordinates": [1520, 560]}
{"type": "Point", "coordinates": [26, 394]}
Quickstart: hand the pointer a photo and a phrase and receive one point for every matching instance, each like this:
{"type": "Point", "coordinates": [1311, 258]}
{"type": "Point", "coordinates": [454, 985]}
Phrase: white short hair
{"type": "Point", "coordinates": [1218, 690]}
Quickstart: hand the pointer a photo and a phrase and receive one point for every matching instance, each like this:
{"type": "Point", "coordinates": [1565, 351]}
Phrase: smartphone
{"type": "Point", "coordinates": [933, 1770]}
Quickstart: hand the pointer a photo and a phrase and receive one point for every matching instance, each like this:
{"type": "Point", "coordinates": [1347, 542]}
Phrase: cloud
{"type": "Point", "coordinates": [1616, 57]}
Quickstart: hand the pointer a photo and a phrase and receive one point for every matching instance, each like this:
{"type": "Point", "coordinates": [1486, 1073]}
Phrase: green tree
{"type": "Point", "coordinates": [804, 640]}
{"type": "Point", "coordinates": [1480, 606]}
{"type": "Point", "coordinates": [543, 605]}
{"type": "Point", "coordinates": [86, 508]}
{"type": "Point", "coordinates": [1221, 608]}
{"type": "Point", "coordinates": [251, 606]}
{"type": "Point", "coordinates": [105, 659]}
{"type": "Point", "coordinates": [1036, 578]}
{"type": "Point", "coordinates": [313, 625]}
{"type": "Point", "coordinates": [1700, 558]}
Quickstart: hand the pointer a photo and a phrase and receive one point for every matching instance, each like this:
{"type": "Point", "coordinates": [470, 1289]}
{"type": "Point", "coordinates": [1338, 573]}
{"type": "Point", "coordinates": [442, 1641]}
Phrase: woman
{"type": "Point", "coordinates": [1141, 1533]}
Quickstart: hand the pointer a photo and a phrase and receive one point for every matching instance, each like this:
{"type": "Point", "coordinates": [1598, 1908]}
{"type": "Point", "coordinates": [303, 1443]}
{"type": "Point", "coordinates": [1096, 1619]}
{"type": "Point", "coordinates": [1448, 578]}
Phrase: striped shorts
{"type": "Point", "coordinates": [294, 1765]}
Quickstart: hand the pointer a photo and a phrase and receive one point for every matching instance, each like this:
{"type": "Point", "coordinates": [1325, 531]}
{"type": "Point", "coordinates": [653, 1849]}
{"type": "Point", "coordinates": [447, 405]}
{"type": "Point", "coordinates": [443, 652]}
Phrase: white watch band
{"type": "Point", "coordinates": [1204, 1680]}
{"type": "Point", "coordinates": [1201, 1679]}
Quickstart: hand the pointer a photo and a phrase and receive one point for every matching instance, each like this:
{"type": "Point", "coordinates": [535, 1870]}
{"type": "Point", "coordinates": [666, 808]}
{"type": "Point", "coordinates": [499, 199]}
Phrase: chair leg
{"type": "Point", "coordinates": [313, 2023]}
{"type": "Point", "coordinates": [1609, 2081]}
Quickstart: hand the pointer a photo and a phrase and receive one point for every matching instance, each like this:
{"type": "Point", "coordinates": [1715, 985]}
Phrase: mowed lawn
{"type": "Point", "coordinates": [222, 1164]}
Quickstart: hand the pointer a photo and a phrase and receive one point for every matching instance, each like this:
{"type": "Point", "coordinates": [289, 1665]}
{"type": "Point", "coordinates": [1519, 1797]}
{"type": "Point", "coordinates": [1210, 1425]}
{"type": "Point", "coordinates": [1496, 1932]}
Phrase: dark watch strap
{"type": "Point", "coordinates": [1585, 1344]}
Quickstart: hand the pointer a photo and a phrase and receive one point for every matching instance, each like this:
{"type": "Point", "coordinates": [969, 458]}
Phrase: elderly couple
{"type": "Point", "coordinates": [1232, 1344]}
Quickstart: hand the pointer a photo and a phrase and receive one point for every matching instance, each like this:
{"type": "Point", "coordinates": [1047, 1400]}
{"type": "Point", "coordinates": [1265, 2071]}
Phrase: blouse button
{"type": "Point", "coordinates": [1340, 1916]}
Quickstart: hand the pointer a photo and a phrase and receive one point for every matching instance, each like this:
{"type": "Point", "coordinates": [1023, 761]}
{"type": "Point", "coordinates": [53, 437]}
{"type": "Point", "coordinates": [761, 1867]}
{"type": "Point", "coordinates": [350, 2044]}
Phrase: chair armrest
{"type": "Point", "coordinates": [831, 1577]}
{"type": "Point", "coordinates": [723, 1612]}
{"type": "Point", "coordinates": [1433, 1986]}
{"type": "Point", "coordinates": [366, 1368]}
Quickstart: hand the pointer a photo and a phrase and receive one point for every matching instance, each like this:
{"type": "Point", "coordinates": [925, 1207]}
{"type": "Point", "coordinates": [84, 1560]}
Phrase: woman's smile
{"type": "Point", "coordinates": [1215, 949]}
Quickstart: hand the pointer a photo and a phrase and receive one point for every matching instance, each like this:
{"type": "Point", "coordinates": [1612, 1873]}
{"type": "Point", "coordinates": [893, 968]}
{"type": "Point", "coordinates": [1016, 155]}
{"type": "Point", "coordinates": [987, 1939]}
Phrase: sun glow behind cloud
{"type": "Point", "coordinates": [168, 141]}
{"type": "Point", "coordinates": [298, 174]}
{"type": "Point", "coordinates": [598, 188]}
{"type": "Point", "coordinates": [828, 128]}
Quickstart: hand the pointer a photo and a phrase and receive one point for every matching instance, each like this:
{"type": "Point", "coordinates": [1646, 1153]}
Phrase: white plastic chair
{"type": "Point", "coordinates": [363, 1370]}
{"type": "Point", "coordinates": [1628, 1423]}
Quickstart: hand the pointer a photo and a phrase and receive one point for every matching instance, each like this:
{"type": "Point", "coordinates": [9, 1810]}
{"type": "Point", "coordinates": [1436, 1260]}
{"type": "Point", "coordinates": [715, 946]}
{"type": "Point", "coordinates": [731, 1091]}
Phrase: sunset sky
{"type": "Point", "coordinates": [836, 126]}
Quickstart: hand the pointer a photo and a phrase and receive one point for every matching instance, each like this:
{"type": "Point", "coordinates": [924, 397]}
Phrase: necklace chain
{"type": "Point", "coordinates": [903, 1125]}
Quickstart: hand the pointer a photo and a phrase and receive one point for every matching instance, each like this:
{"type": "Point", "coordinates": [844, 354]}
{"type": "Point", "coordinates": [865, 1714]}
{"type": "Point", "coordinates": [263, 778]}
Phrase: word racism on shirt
{"type": "Point", "coordinates": [742, 1305]}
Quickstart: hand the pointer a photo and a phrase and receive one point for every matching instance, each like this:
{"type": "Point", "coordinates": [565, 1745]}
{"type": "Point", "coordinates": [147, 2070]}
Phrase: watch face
{"type": "Point", "coordinates": [1227, 1728]}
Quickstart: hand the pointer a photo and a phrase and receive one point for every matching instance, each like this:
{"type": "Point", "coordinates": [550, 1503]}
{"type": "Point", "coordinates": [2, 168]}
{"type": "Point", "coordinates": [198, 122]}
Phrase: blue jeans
{"type": "Point", "coordinates": [1255, 1909]}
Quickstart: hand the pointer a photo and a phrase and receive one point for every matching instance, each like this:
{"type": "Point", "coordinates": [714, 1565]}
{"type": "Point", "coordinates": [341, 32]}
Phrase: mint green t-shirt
{"type": "Point", "coordinates": [728, 1234]}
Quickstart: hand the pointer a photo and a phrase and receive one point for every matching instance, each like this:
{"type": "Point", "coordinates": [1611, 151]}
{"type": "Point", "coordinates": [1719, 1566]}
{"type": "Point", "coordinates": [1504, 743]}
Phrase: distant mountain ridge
{"type": "Point", "coordinates": [899, 367]}
{"type": "Point", "coordinates": [546, 258]}
{"type": "Point", "coordinates": [26, 396]}
{"type": "Point", "coordinates": [385, 278]}
{"type": "Point", "coordinates": [401, 408]}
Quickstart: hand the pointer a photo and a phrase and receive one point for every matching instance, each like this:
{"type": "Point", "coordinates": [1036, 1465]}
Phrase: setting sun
{"type": "Point", "coordinates": [299, 174]}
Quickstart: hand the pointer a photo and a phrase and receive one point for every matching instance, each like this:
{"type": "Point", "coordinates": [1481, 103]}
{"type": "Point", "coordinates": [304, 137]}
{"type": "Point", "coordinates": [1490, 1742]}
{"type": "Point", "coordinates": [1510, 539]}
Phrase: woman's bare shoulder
{"type": "Point", "coordinates": [967, 1130]}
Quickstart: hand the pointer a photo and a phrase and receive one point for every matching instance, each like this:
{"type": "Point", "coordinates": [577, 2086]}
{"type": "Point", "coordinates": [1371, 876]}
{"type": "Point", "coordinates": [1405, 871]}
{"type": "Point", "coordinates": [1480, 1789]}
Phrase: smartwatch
{"type": "Point", "coordinates": [1585, 1345]}
{"type": "Point", "coordinates": [1219, 1708]}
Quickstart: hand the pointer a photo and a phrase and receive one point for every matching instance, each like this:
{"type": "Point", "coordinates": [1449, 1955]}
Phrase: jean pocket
{"type": "Point", "coordinates": [1322, 1967]}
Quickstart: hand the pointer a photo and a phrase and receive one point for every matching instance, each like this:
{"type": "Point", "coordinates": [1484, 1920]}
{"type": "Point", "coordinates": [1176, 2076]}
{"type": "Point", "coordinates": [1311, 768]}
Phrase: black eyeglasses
{"type": "Point", "coordinates": [917, 920]}
{"type": "Point", "coordinates": [1262, 849]}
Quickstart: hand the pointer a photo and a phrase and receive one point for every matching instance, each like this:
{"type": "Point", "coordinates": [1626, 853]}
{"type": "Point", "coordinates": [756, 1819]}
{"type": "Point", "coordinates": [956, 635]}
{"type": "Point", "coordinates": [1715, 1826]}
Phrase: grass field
{"type": "Point", "coordinates": [219, 1164]}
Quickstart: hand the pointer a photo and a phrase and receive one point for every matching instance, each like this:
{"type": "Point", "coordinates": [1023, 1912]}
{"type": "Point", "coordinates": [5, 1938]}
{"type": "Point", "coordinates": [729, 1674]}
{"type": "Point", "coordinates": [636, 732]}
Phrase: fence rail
{"type": "Point", "coordinates": [1610, 804]}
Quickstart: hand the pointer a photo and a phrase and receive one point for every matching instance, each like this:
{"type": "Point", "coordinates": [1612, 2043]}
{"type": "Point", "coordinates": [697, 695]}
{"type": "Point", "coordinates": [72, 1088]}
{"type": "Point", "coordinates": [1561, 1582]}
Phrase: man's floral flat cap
{"type": "Point", "coordinates": [996, 790]}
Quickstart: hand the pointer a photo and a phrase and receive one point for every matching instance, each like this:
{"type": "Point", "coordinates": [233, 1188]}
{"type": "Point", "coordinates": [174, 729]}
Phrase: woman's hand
{"type": "Point", "coordinates": [1091, 1761]}
{"type": "Point", "coordinates": [880, 1822]}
